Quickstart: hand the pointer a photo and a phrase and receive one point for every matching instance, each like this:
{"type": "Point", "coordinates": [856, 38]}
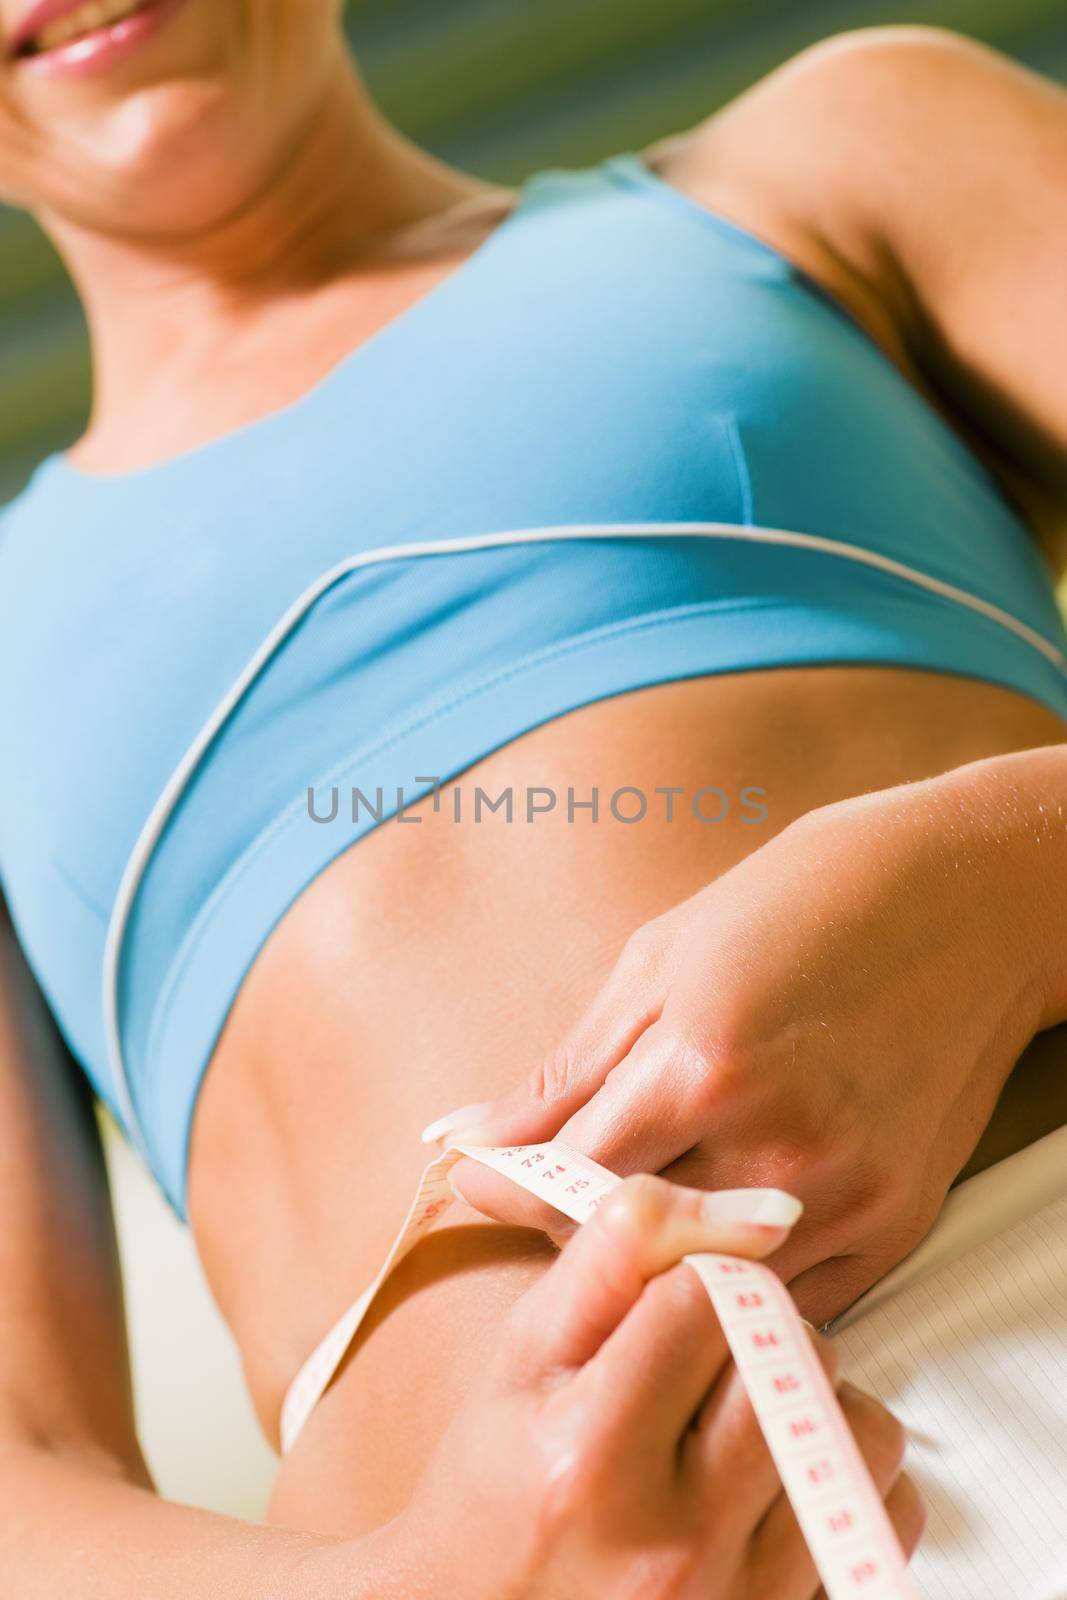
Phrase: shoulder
{"type": "Point", "coordinates": [869, 157]}
{"type": "Point", "coordinates": [861, 137]}
{"type": "Point", "coordinates": [922, 178]}
{"type": "Point", "coordinates": [894, 57]}
{"type": "Point", "coordinates": [866, 100]}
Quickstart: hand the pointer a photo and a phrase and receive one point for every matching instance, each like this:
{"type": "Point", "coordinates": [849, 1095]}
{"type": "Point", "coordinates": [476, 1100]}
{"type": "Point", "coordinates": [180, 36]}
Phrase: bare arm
{"type": "Point", "coordinates": [930, 173]}
{"type": "Point", "coordinates": [80, 1518]}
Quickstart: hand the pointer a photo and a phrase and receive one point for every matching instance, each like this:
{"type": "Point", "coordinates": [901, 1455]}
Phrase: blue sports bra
{"type": "Point", "coordinates": [625, 442]}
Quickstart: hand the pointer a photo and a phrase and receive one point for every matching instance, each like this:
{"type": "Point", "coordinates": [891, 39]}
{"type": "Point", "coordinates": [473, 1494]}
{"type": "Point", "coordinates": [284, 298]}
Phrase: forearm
{"type": "Point", "coordinates": [1006, 817]}
{"type": "Point", "coordinates": [82, 1529]}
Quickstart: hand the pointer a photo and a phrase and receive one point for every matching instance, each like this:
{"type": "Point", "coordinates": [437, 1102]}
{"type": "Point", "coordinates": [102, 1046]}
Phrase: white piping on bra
{"type": "Point", "coordinates": [168, 799]}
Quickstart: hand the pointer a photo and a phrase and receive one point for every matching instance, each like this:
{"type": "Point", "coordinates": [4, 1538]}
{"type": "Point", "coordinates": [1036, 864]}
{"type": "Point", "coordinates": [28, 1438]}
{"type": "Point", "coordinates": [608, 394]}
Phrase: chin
{"type": "Point", "coordinates": [173, 159]}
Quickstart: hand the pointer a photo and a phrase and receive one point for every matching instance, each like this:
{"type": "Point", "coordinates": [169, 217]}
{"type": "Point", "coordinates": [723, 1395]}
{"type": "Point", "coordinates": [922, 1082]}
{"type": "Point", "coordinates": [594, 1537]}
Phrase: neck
{"type": "Point", "coordinates": [163, 311]}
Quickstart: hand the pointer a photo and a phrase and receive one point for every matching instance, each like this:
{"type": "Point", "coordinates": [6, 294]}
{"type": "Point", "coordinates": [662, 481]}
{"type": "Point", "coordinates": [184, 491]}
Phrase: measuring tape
{"type": "Point", "coordinates": [837, 1506]}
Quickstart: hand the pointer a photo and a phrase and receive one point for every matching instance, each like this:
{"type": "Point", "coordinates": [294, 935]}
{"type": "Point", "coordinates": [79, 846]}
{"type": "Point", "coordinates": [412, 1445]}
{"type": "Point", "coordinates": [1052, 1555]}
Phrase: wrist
{"type": "Point", "coordinates": [1006, 818]}
{"type": "Point", "coordinates": [381, 1565]}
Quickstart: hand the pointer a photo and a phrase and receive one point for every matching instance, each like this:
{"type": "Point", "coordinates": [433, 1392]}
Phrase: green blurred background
{"type": "Point", "coordinates": [499, 87]}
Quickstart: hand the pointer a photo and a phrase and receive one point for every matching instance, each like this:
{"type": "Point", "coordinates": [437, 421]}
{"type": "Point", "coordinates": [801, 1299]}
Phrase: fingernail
{"type": "Point", "coordinates": [465, 1120]}
{"type": "Point", "coordinates": [764, 1208]}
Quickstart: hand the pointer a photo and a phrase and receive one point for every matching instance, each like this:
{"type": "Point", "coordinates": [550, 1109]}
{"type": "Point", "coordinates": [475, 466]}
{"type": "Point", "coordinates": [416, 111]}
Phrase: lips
{"type": "Point", "coordinates": [55, 24]}
{"type": "Point", "coordinates": [87, 38]}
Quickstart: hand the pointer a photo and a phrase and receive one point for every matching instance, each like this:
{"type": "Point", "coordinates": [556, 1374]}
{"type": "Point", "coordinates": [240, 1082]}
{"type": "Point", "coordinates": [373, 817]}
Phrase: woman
{"type": "Point", "coordinates": [394, 476]}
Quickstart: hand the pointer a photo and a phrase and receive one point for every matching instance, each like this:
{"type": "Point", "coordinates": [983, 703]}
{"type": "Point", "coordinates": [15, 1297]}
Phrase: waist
{"type": "Point", "coordinates": [393, 677]}
{"type": "Point", "coordinates": [441, 960]}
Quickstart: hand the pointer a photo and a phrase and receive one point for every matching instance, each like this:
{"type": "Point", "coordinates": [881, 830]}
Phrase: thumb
{"type": "Point", "coordinates": [521, 1116]}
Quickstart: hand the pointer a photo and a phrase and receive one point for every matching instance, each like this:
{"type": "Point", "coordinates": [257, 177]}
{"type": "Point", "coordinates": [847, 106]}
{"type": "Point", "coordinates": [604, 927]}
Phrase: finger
{"type": "Point", "coordinates": [906, 1510]}
{"type": "Point", "coordinates": [641, 1118]}
{"type": "Point", "coordinates": [726, 1460]}
{"type": "Point", "coordinates": [645, 1116]}
{"type": "Point", "coordinates": [780, 1554]}
{"type": "Point", "coordinates": [627, 1003]}
{"type": "Point", "coordinates": [824, 1291]}
{"type": "Point", "coordinates": [881, 1437]}
{"type": "Point", "coordinates": [535, 1109]}
{"type": "Point", "coordinates": [907, 1513]}
{"type": "Point", "coordinates": [731, 1155]}
{"type": "Point", "coordinates": [496, 1197]}
{"type": "Point", "coordinates": [652, 1373]}
{"type": "Point", "coordinates": [782, 1565]}
{"type": "Point", "coordinates": [640, 1229]}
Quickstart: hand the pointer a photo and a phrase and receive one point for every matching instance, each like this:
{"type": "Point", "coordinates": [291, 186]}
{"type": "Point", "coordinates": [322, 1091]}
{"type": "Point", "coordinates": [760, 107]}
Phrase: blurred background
{"type": "Point", "coordinates": [499, 87]}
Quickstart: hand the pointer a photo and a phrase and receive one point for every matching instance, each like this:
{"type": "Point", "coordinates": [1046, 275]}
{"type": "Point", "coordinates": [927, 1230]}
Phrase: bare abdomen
{"type": "Point", "coordinates": [436, 963]}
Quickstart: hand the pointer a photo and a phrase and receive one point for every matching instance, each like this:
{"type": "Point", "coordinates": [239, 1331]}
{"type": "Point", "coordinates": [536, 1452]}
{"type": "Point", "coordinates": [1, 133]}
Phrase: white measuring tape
{"type": "Point", "coordinates": [837, 1506]}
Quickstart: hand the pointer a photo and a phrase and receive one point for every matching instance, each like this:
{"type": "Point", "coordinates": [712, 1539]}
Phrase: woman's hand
{"type": "Point", "coordinates": [610, 1449]}
{"type": "Point", "coordinates": [835, 1016]}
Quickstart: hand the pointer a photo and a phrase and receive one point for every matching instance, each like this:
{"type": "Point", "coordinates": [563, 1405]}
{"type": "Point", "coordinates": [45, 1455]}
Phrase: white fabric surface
{"type": "Point", "coordinates": [967, 1342]}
